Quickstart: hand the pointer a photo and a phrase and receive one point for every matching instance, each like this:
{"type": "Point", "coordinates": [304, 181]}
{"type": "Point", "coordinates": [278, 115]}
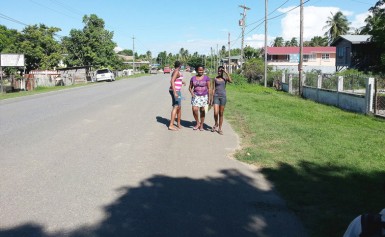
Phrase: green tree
{"type": "Point", "coordinates": [318, 41]}
{"type": "Point", "coordinates": [251, 52]}
{"type": "Point", "coordinates": [194, 61]}
{"type": "Point", "coordinates": [127, 52]}
{"type": "Point", "coordinates": [253, 69]}
{"type": "Point", "coordinates": [41, 50]}
{"type": "Point", "coordinates": [336, 25]}
{"type": "Point", "coordinates": [92, 45]}
{"type": "Point", "coordinates": [278, 42]}
{"type": "Point", "coordinates": [9, 40]}
{"type": "Point", "coordinates": [375, 26]}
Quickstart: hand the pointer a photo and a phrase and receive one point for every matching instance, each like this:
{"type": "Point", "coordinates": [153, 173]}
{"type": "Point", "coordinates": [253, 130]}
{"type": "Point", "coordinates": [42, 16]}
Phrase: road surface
{"type": "Point", "coordinates": [99, 161]}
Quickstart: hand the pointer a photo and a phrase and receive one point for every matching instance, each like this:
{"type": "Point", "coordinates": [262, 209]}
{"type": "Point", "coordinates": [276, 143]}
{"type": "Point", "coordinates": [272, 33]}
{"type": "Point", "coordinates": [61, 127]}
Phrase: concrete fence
{"type": "Point", "coordinates": [361, 101]}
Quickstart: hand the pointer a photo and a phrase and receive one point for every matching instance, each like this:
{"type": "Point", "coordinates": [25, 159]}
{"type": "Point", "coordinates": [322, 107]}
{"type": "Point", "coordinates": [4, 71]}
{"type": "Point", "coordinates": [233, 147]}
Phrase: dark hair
{"type": "Point", "coordinates": [198, 66]}
{"type": "Point", "coordinates": [177, 64]}
{"type": "Point", "coordinates": [221, 67]}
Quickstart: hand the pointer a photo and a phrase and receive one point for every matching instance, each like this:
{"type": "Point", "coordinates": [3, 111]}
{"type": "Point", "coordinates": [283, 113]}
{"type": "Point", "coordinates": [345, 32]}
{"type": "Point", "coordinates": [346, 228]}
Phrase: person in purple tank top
{"type": "Point", "coordinates": [219, 98]}
{"type": "Point", "coordinates": [200, 93]}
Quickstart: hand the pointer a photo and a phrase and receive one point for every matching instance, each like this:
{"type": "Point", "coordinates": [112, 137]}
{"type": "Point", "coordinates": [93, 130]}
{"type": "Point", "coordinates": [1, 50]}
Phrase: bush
{"type": "Point", "coordinates": [238, 79]}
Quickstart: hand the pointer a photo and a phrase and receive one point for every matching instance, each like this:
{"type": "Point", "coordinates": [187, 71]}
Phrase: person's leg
{"type": "Point", "coordinates": [195, 114]}
{"type": "Point", "coordinates": [221, 111]}
{"type": "Point", "coordinates": [202, 117]}
{"type": "Point", "coordinates": [179, 114]}
{"type": "Point", "coordinates": [216, 112]}
{"type": "Point", "coordinates": [173, 114]}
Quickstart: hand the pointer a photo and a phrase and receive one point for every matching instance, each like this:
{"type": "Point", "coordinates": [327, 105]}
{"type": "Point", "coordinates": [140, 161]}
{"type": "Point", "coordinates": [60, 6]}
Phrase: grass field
{"type": "Point", "coordinates": [40, 90]}
{"type": "Point", "coordinates": [328, 164]}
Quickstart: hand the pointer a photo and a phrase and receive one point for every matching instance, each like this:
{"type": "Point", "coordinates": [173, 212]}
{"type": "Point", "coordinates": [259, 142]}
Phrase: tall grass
{"type": "Point", "coordinates": [327, 163]}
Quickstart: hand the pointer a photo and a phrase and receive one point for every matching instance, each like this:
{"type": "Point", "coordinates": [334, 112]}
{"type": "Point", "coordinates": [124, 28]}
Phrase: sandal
{"type": "Point", "coordinates": [214, 128]}
{"type": "Point", "coordinates": [172, 129]}
{"type": "Point", "coordinates": [196, 127]}
{"type": "Point", "coordinates": [220, 132]}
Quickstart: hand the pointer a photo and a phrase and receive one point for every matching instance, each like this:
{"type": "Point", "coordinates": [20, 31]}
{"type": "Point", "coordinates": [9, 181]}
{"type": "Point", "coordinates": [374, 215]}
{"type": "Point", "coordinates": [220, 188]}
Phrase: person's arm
{"type": "Point", "coordinates": [173, 78]}
{"type": "Point", "coordinates": [208, 89]}
{"type": "Point", "coordinates": [228, 79]}
{"type": "Point", "coordinates": [191, 88]}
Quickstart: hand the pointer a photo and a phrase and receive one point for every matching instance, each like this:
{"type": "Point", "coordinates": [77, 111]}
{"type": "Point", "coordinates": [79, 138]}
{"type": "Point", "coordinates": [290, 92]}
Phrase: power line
{"type": "Point", "coordinates": [12, 19]}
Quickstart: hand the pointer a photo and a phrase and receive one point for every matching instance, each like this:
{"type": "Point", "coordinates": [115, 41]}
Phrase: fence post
{"type": "Point", "coordinates": [291, 84]}
{"type": "Point", "coordinates": [283, 77]}
{"type": "Point", "coordinates": [369, 94]}
{"type": "Point", "coordinates": [303, 79]}
{"type": "Point", "coordinates": [319, 81]}
{"type": "Point", "coordinates": [340, 85]}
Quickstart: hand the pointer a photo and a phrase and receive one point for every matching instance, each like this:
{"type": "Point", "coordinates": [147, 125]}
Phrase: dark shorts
{"type": "Point", "coordinates": [220, 100]}
{"type": "Point", "coordinates": [177, 101]}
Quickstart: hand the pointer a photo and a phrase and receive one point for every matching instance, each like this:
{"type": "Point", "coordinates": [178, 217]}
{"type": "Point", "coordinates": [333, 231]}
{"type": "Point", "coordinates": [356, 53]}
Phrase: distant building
{"type": "Point", "coordinates": [129, 60]}
{"type": "Point", "coordinates": [235, 63]}
{"type": "Point", "coordinates": [314, 58]}
{"type": "Point", "coordinates": [354, 51]}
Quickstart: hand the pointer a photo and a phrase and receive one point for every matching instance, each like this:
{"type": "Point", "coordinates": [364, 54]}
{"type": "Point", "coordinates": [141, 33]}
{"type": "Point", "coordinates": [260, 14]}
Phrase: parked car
{"type": "Point", "coordinates": [166, 70]}
{"type": "Point", "coordinates": [104, 75]}
{"type": "Point", "coordinates": [153, 70]}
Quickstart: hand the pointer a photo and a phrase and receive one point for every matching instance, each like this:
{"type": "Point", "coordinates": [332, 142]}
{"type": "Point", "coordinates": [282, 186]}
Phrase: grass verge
{"type": "Point", "coordinates": [328, 164]}
{"type": "Point", "coordinates": [40, 90]}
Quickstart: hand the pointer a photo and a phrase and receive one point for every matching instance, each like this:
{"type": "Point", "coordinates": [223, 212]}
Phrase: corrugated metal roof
{"type": "Point", "coordinates": [354, 39]}
{"type": "Point", "coordinates": [295, 50]}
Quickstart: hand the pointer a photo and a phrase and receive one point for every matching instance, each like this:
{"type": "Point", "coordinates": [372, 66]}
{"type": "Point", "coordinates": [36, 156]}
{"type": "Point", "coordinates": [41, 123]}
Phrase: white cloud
{"type": "Point", "coordinates": [258, 40]}
{"type": "Point", "coordinates": [314, 20]}
{"type": "Point", "coordinates": [118, 49]}
{"type": "Point", "coordinates": [359, 20]}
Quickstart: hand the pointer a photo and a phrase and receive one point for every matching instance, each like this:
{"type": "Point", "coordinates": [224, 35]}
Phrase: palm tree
{"type": "Point", "coordinates": [318, 41]}
{"type": "Point", "coordinates": [278, 42]}
{"type": "Point", "coordinates": [336, 25]}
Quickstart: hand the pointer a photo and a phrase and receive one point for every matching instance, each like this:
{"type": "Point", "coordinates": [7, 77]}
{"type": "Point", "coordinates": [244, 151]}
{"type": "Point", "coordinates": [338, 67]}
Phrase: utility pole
{"type": "Point", "coordinates": [300, 69]}
{"type": "Point", "coordinates": [265, 82]}
{"type": "Point", "coordinates": [242, 23]}
{"type": "Point", "coordinates": [133, 54]}
{"type": "Point", "coordinates": [217, 57]}
{"type": "Point", "coordinates": [229, 61]}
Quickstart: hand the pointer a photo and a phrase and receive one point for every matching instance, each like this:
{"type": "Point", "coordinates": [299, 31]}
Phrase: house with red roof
{"type": "Point", "coordinates": [314, 58]}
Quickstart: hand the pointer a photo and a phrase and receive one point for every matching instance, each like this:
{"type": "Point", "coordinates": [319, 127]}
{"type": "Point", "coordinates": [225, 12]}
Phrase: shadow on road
{"type": "Point", "coordinates": [166, 122]}
{"type": "Point", "coordinates": [165, 206]}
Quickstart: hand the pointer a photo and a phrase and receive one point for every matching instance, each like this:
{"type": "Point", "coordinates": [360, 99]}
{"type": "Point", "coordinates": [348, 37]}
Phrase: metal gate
{"type": "Point", "coordinates": [379, 97]}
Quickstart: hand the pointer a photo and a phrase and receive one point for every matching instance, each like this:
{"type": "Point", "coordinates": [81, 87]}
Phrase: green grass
{"type": "Point", "coordinates": [40, 90]}
{"type": "Point", "coordinates": [328, 164]}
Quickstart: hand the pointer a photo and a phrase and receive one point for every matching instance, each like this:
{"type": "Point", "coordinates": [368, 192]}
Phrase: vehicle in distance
{"type": "Point", "coordinates": [166, 70]}
{"type": "Point", "coordinates": [153, 70]}
{"type": "Point", "coordinates": [104, 75]}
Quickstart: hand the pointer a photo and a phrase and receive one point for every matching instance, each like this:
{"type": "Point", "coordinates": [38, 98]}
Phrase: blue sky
{"type": "Point", "coordinates": [199, 25]}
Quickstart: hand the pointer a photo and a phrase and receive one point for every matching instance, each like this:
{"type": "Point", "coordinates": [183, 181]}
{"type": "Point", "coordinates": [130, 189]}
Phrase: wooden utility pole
{"type": "Point", "coordinates": [133, 54]}
{"type": "Point", "coordinates": [265, 82]}
{"type": "Point", "coordinates": [242, 23]}
{"type": "Point", "coordinates": [300, 65]}
{"type": "Point", "coordinates": [229, 61]}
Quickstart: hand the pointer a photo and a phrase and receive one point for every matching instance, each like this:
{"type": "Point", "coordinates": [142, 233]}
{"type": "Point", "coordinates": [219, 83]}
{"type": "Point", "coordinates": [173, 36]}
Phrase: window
{"type": "Point", "coordinates": [308, 57]}
{"type": "Point", "coordinates": [325, 56]}
{"type": "Point", "coordinates": [341, 52]}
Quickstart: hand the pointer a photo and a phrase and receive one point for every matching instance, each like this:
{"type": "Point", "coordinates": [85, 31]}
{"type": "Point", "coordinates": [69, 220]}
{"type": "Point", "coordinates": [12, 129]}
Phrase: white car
{"type": "Point", "coordinates": [104, 75]}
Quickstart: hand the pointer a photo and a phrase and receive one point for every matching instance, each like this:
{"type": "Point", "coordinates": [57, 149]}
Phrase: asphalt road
{"type": "Point", "coordinates": [99, 161]}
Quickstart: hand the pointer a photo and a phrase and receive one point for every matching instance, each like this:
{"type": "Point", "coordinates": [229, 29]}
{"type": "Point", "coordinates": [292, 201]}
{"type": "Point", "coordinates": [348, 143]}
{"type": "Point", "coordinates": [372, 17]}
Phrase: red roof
{"type": "Point", "coordinates": [295, 50]}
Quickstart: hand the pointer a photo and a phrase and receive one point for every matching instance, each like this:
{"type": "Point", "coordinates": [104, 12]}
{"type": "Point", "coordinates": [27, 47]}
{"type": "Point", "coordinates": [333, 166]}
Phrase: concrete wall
{"type": "Point", "coordinates": [359, 103]}
{"type": "Point", "coordinates": [346, 101]}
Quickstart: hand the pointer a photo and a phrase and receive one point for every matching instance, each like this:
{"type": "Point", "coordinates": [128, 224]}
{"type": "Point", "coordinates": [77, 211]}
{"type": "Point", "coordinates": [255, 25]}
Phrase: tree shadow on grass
{"type": "Point", "coordinates": [228, 205]}
{"type": "Point", "coordinates": [328, 197]}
